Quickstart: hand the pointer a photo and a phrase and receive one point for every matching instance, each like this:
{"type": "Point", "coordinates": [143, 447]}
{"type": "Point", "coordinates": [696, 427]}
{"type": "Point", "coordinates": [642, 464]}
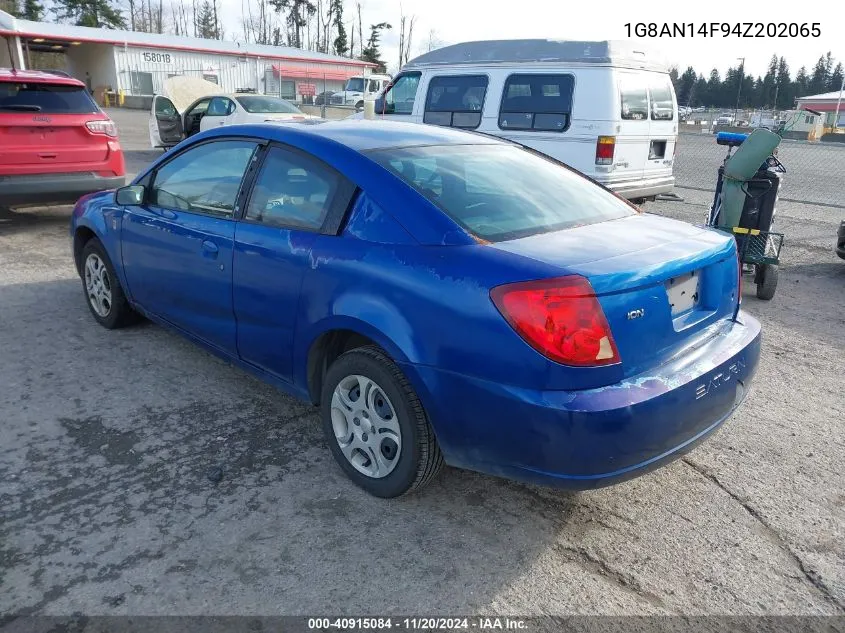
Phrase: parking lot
{"type": "Point", "coordinates": [111, 443]}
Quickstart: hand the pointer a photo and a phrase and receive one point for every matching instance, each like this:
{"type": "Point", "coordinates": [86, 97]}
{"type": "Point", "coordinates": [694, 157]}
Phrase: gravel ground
{"type": "Point", "coordinates": [107, 440]}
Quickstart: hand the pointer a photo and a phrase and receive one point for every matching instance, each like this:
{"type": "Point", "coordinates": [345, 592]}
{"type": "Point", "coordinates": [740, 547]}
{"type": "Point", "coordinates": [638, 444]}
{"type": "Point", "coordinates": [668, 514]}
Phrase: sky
{"type": "Point", "coordinates": [454, 21]}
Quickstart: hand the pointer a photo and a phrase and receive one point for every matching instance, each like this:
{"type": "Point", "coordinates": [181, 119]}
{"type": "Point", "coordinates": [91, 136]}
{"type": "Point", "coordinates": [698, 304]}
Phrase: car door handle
{"type": "Point", "coordinates": [209, 249]}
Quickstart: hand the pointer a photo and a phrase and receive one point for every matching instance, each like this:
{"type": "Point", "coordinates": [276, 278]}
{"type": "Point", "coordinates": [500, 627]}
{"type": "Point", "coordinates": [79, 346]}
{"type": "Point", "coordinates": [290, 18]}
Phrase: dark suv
{"type": "Point", "coordinates": [57, 144]}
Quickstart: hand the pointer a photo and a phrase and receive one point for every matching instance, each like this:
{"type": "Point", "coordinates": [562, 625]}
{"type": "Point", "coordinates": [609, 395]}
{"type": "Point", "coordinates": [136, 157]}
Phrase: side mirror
{"type": "Point", "coordinates": [130, 196]}
{"type": "Point", "coordinates": [380, 108]}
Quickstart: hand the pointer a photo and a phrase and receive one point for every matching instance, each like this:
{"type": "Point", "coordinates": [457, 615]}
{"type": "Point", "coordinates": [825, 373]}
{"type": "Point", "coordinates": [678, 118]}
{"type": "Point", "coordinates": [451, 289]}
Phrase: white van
{"type": "Point", "coordinates": [601, 107]}
{"type": "Point", "coordinates": [359, 89]}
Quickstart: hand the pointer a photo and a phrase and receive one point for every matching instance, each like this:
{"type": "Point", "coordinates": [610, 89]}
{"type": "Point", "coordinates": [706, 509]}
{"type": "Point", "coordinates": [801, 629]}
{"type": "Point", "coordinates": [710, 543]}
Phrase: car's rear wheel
{"type": "Point", "coordinates": [103, 293]}
{"type": "Point", "coordinates": [375, 425]}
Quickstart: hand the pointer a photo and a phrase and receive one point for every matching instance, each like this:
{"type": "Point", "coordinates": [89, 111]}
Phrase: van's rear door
{"type": "Point", "coordinates": [663, 127]}
{"type": "Point", "coordinates": [633, 138]}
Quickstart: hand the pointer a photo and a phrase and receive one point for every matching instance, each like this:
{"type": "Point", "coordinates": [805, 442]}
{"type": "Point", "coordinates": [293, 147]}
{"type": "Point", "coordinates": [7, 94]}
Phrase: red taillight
{"type": "Point", "coordinates": [561, 318]}
{"type": "Point", "coordinates": [605, 146]}
{"type": "Point", "coordinates": [106, 127]}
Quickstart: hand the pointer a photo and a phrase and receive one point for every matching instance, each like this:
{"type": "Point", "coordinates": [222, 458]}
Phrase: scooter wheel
{"type": "Point", "coordinates": [767, 281]}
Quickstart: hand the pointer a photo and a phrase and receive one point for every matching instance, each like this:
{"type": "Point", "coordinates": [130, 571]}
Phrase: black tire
{"type": "Point", "coordinates": [120, 312]}
{"type": "Point", "coordinates": [359, 105]}
{"type": "Point", "coordinates": [767, 281]}
{"type": "Point", "coordinates": [419, 458]}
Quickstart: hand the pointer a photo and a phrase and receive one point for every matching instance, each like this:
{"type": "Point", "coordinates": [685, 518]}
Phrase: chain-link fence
{"type": "Point", "coordinates": [815, 170]}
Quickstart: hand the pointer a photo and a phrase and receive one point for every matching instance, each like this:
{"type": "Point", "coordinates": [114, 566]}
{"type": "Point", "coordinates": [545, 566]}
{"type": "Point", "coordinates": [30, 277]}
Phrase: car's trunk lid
{"type": "Point", "coordinates": [660, 282]}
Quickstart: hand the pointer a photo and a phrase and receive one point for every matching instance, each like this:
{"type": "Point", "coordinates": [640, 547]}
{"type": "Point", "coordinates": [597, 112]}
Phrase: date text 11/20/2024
{"type": "Point", "coordinates": [418, 624]}
{"type": "Point", "coordinates": [723, 29]}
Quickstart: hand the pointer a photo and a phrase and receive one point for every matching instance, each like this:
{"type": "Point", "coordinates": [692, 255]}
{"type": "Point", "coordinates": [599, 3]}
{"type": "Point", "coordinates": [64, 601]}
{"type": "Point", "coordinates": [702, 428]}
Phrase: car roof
{"type": "Point", "coordinates": [368, 134]}
{"type": "Point", "coordinates": [37, 76]}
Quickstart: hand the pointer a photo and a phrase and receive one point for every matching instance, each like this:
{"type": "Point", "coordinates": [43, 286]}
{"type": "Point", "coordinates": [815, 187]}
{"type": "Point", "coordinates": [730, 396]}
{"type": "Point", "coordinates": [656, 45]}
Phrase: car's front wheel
{"type": "Point", "coordinates": [376, 426]}
{"type": "Point", "coordinates": [104, 295]}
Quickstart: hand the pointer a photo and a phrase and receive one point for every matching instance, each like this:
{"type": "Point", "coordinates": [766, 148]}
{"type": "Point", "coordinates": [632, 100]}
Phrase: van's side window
{"type": "Point", "coordinates": [455, 101]}
{"type": "Point", "coordinates": [539, 103]}
{"type": "Point", "coordinates": [399, 97]}
{"type": "Point", "coordinates": [634, 102]}
{"type": "Point", "coordinates": [661, 102]}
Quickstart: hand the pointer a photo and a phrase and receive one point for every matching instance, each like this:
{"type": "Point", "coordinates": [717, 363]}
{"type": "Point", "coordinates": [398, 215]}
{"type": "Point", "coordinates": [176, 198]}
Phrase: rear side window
{"type": "Point", "coordinates": [292, 191]}
{"type": "Point", "coordinates": [455, 101]}
{"type": "Point", "coordinates": [542, 103]}
{"type": "Point", "coordinates": [45, 98]}
{"type": "Point", "coordinates": [662, 108]}
{"type": "Point", "coordinates": [634, 101]}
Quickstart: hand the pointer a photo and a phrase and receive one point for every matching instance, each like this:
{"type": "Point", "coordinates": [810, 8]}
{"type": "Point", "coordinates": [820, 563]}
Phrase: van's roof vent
{"type": "Point", "coordinates": [616, 53]}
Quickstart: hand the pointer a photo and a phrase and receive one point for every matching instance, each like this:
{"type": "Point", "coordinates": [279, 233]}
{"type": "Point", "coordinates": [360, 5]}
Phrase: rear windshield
{"type": "Point", "coordinates": [268, 105]}
{"type": "Point", "coordinates": [45, 98]}
{"type": "Point", "coordinates": [501, 192]}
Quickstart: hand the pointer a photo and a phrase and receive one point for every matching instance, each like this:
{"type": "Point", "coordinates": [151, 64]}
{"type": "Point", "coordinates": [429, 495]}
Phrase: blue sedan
{"type": "Point", "coordinates": [442, 296]}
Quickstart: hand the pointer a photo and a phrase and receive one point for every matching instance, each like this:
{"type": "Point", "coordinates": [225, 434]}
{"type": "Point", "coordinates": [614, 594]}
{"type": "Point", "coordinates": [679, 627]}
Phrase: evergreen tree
{"type": "Point", "coordinates": [673, 76]}
{"type": "Point", "coordinates": [94, 13]}
{"type": "Point", "coordinates": [784, 87]}
{"type": "Point", "coordinates": [686, 86]}
{"type": "Point", "coordinates": [820, 78]}
{"type": "Point", "coordinates": [802, 82]}
{"type": "Point", "coordinates": [371, 52]}
{"type": "Point", "coordinates": [341, 45]}
{"type": "Point", "coordinates": [767, 90]}
{"type": "Point", "coordinates": [32, 10]}
{"type": "Point", "coordinates": [714, 89]}
{"type": "Point", "coordinates": [205, 21]}
{"type": "Point", "coordinates": [10, 7]}
{"type": "Point", "coordinates": [835, 83]}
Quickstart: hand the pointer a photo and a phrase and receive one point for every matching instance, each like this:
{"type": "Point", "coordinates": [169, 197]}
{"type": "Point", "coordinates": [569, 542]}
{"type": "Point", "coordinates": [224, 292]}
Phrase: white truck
{"type": "Point", "coordinates": [359, 89]}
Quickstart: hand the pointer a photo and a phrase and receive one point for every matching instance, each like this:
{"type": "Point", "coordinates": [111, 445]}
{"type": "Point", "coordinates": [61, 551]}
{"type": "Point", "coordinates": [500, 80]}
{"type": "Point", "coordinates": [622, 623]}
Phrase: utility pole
{"type": "Point", "coordinates": [739, 89]}
{"type": "Point", "coordinates": [838, 103]}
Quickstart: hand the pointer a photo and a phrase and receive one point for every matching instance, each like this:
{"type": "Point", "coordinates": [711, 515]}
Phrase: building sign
{"type": "Point", "coordinates": [159, 58]}
{"type": "Point", "coordinates": [307, 90]}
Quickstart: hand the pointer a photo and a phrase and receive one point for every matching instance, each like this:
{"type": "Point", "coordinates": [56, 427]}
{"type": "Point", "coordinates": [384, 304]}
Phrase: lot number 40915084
{"type": "Point", "coordinates": [161, 58]}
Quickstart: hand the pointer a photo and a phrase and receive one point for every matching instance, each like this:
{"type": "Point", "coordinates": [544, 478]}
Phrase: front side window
{"type": "Point", "coordinates": [502, 192]}
{"type": "Point", "coordinates": [540, 103]}
{"type": "Point", "coordinates": [45, 98]}
{"type": "Point", "coordinates": [204, 179]}
{"type": "Point", "coordinates": [634, 101]}
{"type": "Point", "coordinates": [662, 108]}
{"type": "Point", "coordinates": [455, 101]}
{"type": "Point", "coordinates": [292, 191]}
{"type": "Point", "coordinates": [267, 105]}
{"type": "Point", "coordinates": [399, 98]}
{"type": "Point", "coordinates": [220, 106]}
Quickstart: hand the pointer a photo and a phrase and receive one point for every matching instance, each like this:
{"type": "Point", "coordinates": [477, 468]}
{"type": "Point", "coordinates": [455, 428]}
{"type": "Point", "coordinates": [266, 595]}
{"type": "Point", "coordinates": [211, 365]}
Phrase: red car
{"type": "Point", "coordinates": [57, 144]}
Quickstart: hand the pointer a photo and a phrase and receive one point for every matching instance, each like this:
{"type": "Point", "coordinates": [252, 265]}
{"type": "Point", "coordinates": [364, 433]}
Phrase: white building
{"type": "Point", "coordinates": [138, 63]}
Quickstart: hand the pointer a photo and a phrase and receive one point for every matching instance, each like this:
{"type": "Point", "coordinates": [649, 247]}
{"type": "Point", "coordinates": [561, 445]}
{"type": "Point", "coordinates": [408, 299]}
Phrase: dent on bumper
{"type": "Point", "coordinates": [596, 437]}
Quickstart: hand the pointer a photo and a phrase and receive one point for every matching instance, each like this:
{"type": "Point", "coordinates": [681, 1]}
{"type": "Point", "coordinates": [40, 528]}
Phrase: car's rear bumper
{"type": "Point", "coordinates": [638, 188]}
{"type": "Point", "coordinates": [37, 189]}
{"type": "Point", "coordinates": [596, 437]}
{"type": "Point", "coordinates": [840, 240]}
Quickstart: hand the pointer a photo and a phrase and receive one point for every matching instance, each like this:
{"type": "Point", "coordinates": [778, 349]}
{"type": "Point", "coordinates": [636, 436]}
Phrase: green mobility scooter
{"type": "Point", "coordinates": [745, 203]}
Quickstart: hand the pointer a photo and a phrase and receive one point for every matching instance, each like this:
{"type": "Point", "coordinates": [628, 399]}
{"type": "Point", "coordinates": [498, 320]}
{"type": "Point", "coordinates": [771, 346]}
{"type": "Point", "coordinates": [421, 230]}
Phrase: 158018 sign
{"type": "Point", "coordinates": [161, 58]}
